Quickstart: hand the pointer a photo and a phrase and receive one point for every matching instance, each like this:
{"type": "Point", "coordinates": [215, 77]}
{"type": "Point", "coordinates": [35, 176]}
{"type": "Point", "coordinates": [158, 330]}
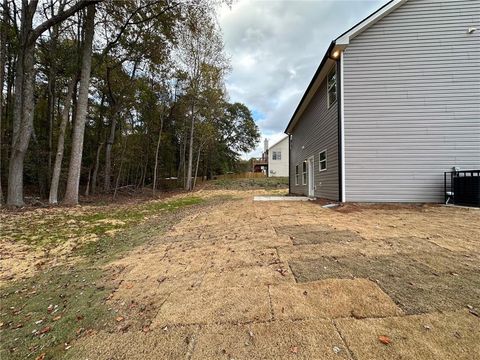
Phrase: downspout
{"type": "Point", "coordinates": [289, 167]}
{"type": "Point", "coordinates": [341, 144]}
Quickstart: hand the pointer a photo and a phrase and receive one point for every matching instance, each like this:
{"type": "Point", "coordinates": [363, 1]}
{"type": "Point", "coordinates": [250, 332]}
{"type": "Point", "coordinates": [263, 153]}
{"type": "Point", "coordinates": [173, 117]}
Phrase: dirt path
{"type": "Point", "coordinates": [280, 280]}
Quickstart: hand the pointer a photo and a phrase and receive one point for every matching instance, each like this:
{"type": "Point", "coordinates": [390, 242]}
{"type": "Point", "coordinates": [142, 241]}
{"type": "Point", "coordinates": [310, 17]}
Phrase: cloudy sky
{"type": "Point", "coordinates": [276, 46]}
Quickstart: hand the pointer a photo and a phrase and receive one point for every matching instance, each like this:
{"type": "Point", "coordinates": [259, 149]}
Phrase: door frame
{"type": "Point", "coordinates": [311, 176]}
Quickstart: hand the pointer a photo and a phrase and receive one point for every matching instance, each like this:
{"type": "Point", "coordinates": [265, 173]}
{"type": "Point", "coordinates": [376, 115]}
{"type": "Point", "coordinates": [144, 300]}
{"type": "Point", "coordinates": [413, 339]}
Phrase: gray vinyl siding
{"type": "Point", "coordinates": [412, 102]}
{"type": "Point", "coordinates": [316, 130]}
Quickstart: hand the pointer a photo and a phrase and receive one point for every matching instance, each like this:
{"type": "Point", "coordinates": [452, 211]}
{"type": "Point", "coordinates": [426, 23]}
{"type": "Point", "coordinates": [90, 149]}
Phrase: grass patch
{"type": "Point", "coordinates": [107, 247]}
{"type": "Point", "coordinates": [42, 314]}
{"type": "Point", "coordinates": [249, 184]}
{"type": "Point", "coordinates": [47, 228]}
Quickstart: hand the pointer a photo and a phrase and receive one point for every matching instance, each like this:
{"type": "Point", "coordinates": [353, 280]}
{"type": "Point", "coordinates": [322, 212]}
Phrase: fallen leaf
{"type": "Point", "coordinates": [119, 318]}
{"type": "Point", "coordinates": [79, 317]}
{"type": "Point", "coordinates": [384, 339]}
{"type": "Point", "coordinates": [56, 318]}
{"type": "Point", "coordinates": [123, 327]}
{"type": "Point", "coordinates": [129, 286]}
{"type": "Point", "coordinates": [294, 349]}
{"type": "Point", "coordinates": [336, 349]}
{"type": "Point", "coordinates": [41, 356]}
{"type": "Point", "coordinates": [282, 271]}
{"type": "Point", "coordinates": [45, 330]}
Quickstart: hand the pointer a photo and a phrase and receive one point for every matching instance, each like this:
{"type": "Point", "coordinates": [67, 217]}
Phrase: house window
{"type": "Point", "coordinates": [304, 173]}
{"type": "Point", "coordinates": [323, 161]}
{"type": "Point", "coordinates": [277, 155]}
{"type": "Point", "coordinates": [297, 174]}
{"type": "Point", "coordinates": [332, 87]}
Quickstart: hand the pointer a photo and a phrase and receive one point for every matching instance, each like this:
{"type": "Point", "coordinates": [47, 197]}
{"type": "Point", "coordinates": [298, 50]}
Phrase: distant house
{"type": "Point", "coordinates": [260, 165]}
{"type": "Point", "coordinates": [278, 159]}
{"type": "Point", "coordinates": [394, 103]}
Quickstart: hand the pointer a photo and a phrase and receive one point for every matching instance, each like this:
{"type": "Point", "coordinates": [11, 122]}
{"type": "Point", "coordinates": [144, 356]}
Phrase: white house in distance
{"type": "Point", "coordinates": [278, 159]}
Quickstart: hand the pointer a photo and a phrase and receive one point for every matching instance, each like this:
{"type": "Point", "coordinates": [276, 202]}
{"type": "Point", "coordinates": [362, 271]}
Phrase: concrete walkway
{"type": "Point", "coordinates": [281, 198]}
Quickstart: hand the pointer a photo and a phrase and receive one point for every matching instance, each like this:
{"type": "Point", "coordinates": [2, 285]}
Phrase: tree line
{"type": "Point", "coordinates": [97, 95]}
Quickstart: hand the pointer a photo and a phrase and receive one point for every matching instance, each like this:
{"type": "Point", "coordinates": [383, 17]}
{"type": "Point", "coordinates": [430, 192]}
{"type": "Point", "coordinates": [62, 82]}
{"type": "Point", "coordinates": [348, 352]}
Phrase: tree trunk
{"type": "Point", "coordinates": [50, 115]}
{"type": "Point", "coordinates": [57, 167]}
{"type": "Point", "coordinates": [3, 62]}
{"type": "Point", "coordinates": [108, 154]}
{"type": "Point", "coordinates": [95, 170]}
{"type": "Point", "coordinates": [156, 156]}
{"type": "Point", "coordinates": [87, 188]}
{"type": "Point", "coordinates": [24, 91]}
{"type": "Point", "coordinates": [117, 183]}
{"type": "Point", "coordinates": [23, 106]}
{"type": "Point", "coordinates": [189, 184]}
{"type": "Point", "coordinates": [73, 181]}
{"type": "Point", "coordinates": [196, 167]}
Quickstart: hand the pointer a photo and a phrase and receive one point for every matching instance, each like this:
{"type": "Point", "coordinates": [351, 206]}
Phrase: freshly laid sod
{"type": "Point", "coordinates": [41, 315]}
{"type": "Point", "coordinates": [270, 183]}
{"type": "Point", "coordinates": [206, 277]}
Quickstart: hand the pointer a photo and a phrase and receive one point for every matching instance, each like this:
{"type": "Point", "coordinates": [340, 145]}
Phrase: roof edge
{"type": "Point", "coordinates": [370, 20]}
{"type": "Point", "coordinates": [305, 94]}
{"type": "Point", "coordinates": [278, 142]}
{"type": "Point", "coordinates": [342, 43]}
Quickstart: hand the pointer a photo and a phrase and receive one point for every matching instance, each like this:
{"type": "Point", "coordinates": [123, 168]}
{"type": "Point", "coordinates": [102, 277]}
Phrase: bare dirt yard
{"type": "Point", "coordinates": [222, 277]}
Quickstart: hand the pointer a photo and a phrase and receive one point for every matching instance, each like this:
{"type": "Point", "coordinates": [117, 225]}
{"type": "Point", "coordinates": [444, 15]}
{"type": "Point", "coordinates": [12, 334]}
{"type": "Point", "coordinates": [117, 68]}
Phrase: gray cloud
{"type": "Point", "coordinates": [275, 48]}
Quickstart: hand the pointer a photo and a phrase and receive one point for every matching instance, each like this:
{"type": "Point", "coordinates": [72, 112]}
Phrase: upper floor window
{"type": "Point", "coordinates": [323, 161]}
{"type": "Point", "coordinates": [276, 155]}
{"type": "Point", "coordinates": [332, 87]}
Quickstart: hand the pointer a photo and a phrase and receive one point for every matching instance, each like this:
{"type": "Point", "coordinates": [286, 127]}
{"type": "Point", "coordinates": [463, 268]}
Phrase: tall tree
{"type": "Point", "coordinates": [57, 167]}
{"type": "Point", "coordinates": [74, 170]}
{"type": "Point", "coordinates": [3, 62]}
{"type": "Point", "coordinates": [201, 50]}
{"type": "Point", "coordinates": [24, 90]}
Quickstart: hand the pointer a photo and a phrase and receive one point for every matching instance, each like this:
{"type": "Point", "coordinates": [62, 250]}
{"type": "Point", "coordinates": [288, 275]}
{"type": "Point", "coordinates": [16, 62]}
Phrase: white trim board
{"type": "Point", "coordinates": [371, 20]}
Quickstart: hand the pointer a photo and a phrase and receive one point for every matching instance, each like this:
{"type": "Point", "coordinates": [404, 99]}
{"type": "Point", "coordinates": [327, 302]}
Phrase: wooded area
{"type": "Point", "coordinates": [98, 95]}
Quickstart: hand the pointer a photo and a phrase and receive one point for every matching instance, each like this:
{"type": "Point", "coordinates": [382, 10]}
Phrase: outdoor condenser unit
{"type": "Point", "coordinates": [464, 187]}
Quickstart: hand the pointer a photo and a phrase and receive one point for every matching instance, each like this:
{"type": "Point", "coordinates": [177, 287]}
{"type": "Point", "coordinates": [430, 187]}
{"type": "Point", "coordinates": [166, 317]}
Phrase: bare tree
{"type": "Point", "coordinates": [95, 169]}
{"type": "Point", "coordinates": [202, 47]}
{"type": "Point", "coordinates": [57, 167]}
{"type": "Point", "coordinates": [73, 180]}
{"type": "Point", "coordinates": [157, 150]}
{"type": "Point", "coordinates": [24, 90]}
{"type": "Point", "coordinates": [3, 60]}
